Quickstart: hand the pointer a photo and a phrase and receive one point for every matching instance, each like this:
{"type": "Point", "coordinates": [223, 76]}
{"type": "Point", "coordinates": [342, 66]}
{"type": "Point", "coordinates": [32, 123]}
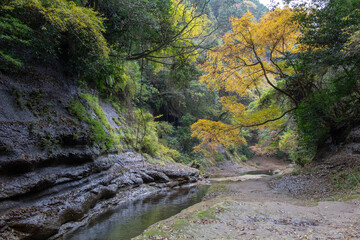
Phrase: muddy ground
{"type": "Point", "coordinates": [246, 207]}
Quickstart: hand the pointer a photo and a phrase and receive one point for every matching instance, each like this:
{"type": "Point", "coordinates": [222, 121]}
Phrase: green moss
{"type": "Point", "coordinates": [168, 154]}
{"type": "Point", "coordinates": [128, 137]}
{"type": "Point", "coordinates": [217, 188]}
{"type": "Point", "coordinates": [116, 121]}
{"type": "Point", "coordinates": [34, 101]}
{"type": "Point", "coordinates": [243, 158]}
{"type": "Point", "coordinates": [117, 141]}
{"type": "Point", "coordinates": [205, 214]}
{"type": "Point", "coordinates": [13, 34]}
{"type": "Point", "coordinates": [47, 142]}
{"type": "Point", "coordinates": [93, 102]}
{"type": "Point", "coordinates": [180, 224]}
{"type": "Point", "coordinates": [98, 133]}
{"type": "Point", "coordinates": [77, 109]}
{"type": "Point", "coordinates": [154, 232]}
{"type": "Point", "coordinates": [211, 213]}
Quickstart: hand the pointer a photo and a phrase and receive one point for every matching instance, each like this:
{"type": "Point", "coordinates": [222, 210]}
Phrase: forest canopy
{"type": "Point", "coordinates": [296, 70]}
{"type": "Point", "coordinates": [281, 79]}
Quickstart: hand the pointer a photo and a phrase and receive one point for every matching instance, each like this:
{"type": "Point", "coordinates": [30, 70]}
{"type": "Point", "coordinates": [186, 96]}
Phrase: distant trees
{"type": "Point", "coordinates": [221, 10]}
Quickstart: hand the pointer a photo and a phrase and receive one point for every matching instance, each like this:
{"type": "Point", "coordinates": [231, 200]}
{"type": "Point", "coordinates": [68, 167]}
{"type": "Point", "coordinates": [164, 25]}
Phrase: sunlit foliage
{"type": "Point", "coordinates": [57, 28]}
{"type": "Point", "coordinates": [252, 54]}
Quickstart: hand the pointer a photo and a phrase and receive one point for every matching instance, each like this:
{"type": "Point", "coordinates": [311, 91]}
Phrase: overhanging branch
{"type": "Point", "coordinates": [262, 123]}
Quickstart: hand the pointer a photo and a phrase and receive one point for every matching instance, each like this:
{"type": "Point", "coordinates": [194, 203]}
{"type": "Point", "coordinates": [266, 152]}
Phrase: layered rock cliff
{"type": "Point", "coordinates": [53, 177]}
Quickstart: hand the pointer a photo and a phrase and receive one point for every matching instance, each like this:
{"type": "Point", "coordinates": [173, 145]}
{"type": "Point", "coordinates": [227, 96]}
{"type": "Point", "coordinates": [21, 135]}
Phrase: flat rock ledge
{"type": "Point", "coordinates": [52, 202]}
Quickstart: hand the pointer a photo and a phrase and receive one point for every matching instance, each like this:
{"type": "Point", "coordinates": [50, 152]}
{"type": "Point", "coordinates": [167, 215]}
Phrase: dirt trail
{"type": "Point", "coordinates": [250, 209]}
{"type": "Point", "coordinates": [229, 169]}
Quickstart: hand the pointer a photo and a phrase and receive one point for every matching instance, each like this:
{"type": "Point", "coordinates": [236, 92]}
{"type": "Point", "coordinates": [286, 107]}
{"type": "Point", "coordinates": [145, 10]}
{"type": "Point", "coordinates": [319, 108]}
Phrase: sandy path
{"type": "Point", "coordinates": [252, 210]}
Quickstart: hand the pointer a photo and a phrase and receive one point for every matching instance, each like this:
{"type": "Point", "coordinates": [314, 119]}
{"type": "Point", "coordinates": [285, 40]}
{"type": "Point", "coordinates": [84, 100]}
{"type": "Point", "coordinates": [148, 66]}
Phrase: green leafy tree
{"type": "Point", "coordinates": [58, 28]}
{"type": "Point", "coordinates": [326, 81]}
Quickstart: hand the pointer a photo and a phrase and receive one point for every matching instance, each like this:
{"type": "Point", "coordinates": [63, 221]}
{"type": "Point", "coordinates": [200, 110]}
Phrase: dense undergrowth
{"type": "Point", "coordinates": [284, 98]}
{"type": "Point", "coordinates": [135, 55]}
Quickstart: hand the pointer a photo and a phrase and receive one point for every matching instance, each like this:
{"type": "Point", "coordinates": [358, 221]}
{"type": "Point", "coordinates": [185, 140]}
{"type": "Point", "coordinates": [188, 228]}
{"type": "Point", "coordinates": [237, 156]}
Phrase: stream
{"type": "Point", "coordinates": [132, 218]}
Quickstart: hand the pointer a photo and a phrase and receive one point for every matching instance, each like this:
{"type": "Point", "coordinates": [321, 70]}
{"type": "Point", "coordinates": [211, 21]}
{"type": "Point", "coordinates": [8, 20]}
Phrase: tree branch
{"type": "Point", "coordinates": [262, 123]}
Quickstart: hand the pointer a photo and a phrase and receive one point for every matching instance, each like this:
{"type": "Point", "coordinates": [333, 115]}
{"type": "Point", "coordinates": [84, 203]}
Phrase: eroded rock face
{"type": "Point", "coordinates": [81, 192]}
{"type": "Point", "coordinates": [52, 178]}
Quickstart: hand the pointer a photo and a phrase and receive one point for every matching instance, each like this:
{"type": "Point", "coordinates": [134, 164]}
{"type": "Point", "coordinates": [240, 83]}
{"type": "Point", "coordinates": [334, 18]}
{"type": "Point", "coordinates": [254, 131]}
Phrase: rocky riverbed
{"type": "Point", "coordinates": [252, 210]}
{"type": "Point", "coordinates": [75, 196]}
{"type": "Point", "coordinates": [306, 204]}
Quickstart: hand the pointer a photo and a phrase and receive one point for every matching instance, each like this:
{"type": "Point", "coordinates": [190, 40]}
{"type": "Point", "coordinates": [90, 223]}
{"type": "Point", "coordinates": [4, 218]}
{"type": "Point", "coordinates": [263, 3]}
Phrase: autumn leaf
{"type": "Point", "coordinates": [252, 54]}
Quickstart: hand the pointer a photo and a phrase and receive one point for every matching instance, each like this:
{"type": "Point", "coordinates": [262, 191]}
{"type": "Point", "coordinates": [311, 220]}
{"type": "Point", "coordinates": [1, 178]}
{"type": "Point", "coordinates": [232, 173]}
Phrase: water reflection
{"type": "Point", "coordinates": [132, 218]}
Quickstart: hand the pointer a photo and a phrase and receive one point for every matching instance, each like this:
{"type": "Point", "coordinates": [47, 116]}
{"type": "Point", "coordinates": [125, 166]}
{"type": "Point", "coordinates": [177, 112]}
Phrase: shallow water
{"type": "Point", "coordinates": [132, 218]}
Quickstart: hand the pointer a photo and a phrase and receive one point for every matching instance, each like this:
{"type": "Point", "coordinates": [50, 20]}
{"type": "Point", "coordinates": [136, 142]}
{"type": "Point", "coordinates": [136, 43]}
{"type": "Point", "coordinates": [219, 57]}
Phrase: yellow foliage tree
{"type": "Point", "coordinates": [252, 54]}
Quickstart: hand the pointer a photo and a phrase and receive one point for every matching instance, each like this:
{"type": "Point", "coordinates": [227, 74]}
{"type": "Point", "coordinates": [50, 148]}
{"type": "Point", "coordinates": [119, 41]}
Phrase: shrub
{"type": "Point", "coordinates": [149, 146]}
{"type": "Point", "coordinates": [289, 143]}
{"type": "Point", "coordinates": [164, 129]}
{"type": "Point", "coordinates": [219, 157]}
